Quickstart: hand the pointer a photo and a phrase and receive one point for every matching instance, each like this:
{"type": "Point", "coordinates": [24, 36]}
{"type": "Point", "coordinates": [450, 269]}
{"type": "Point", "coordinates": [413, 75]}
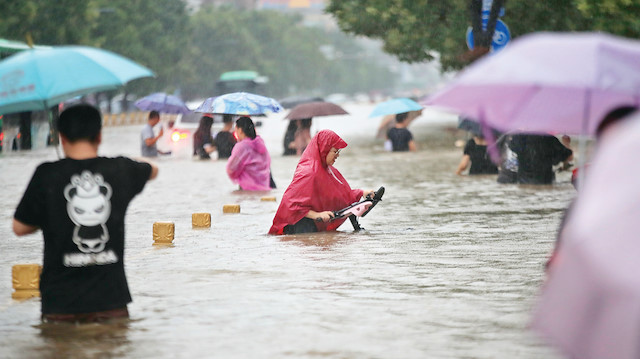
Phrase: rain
{"type": "Point", "coordinates": [490, 136]}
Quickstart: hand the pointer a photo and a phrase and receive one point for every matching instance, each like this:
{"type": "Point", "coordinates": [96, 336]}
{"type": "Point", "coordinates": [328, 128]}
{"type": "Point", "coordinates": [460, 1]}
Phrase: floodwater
{"type": "Point", "coordinates": [448, 266]}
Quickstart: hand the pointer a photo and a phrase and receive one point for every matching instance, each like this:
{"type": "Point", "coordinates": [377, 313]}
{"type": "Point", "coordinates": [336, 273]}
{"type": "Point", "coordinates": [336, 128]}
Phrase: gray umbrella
{"type": "Point", "coordinates": [315, 109]}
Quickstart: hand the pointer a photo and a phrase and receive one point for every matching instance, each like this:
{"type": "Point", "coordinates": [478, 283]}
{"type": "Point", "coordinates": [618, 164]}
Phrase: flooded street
{"type": "Point", "coordinates": [448, 266]}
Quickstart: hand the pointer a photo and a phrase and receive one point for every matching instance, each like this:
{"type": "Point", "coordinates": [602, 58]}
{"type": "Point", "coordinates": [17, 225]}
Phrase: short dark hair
{"type": "Point", "coordinates": [154, 114]}
{"type": "Point", "coordinates": [246, 124]}
{"type": "Point", "coordinates": [400, 117]}
{"type": "Point", "coordinates": [226, 118]}
{"type": "Point", "coordinates": [80, 122]}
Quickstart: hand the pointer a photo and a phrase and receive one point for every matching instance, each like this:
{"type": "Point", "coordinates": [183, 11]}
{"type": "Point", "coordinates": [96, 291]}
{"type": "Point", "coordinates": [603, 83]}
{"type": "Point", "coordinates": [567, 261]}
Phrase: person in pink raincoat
{"type": "Point", "coordinates": [249, 163]}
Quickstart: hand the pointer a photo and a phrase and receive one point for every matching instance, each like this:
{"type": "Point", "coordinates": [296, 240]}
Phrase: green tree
{"type": "Point", "coordinates": [58, 22]}
{"type": "Point", "coordinates": [153, 33]}
{"type": "Point", "coordinates": [275, 45]}
{"type": "Point", "coordinates": [416, 31]}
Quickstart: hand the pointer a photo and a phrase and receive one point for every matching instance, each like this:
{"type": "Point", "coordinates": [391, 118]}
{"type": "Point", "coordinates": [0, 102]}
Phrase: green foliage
{"type": "Point", "coordinates": [49, 22]}
{"type": "Point", "coordinates": [277, 46]}
{"type": "Point", "coordinates": [415, 30]}
{"type": "Point", "coordinates": [189, 52]}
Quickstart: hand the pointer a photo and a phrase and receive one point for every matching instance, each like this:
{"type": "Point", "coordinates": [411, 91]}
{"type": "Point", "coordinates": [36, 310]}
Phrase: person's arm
{"type": "Point", "coordinates": [151, 140]}
{"type": "Point", "coordinates": [412, 146]}
{"type": "Point", "coordinates": [235, 163]}
{"type": "Point", "coordinates": [21, 229]}
{"type": "Point", "coordinates": [464, 163]}
{"type": "Point", "coordinates": [154, 167]}
{"type": "Point", "coordinates": [154, 171]}
{"type": "Point", "coordinates": [324, 216]}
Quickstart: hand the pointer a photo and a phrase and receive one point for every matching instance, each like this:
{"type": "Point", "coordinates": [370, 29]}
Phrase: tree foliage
{"type": "Point", "coordinates": [188, 52]}
{"type": "Point", "coordinates": [416, 31]}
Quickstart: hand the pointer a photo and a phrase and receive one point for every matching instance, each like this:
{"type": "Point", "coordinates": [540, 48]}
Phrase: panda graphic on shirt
{"type": "Point", "coordinates": [89, 207]}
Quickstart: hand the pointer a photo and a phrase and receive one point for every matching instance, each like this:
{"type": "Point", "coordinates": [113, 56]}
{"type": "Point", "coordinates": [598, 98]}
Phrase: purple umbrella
{"type": "Point", "coordinates": [163, 103]}
{"type": "Point", "coordinates": [548, 82]}
{"type": "Point", "coordinates": [590, 304]}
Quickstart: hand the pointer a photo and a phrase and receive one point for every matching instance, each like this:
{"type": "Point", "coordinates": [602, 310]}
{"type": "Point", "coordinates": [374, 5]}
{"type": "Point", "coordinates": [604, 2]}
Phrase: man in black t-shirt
{"type": "Point", "coordinates": [401, 139]}
{"type": "Point", "coordinates": [79, 203]}
{"type": "Point", "coordinates": [224, 140]}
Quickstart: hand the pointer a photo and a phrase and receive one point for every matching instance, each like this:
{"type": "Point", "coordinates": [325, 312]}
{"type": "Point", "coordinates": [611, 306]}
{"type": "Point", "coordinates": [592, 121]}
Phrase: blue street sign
{"type": "Point", "coordinates": [501, 37]}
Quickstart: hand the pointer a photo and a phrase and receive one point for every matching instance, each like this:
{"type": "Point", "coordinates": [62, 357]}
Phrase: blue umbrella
{"type": "Point", "coordinates": [163, 103]}
{"type": "Point", "coordinates": [240, 103]}
{"type": "Point", "coordinates": [205, 105]}
{"type": "Point", "coordinates": [38, 79]}
{"type": "Point", "coordinates": [395, 106]}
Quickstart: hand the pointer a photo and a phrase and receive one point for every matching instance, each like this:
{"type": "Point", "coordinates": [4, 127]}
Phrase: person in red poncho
{"type": "Point", "coordinates": [317, 189]}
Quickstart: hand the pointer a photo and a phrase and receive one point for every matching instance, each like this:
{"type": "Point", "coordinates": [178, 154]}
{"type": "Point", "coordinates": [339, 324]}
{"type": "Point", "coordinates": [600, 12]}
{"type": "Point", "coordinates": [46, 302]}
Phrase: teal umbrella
{"type": "Point", "coordinates": [395, 106]}
{"type": "Point", "coordinates": [38, 79]}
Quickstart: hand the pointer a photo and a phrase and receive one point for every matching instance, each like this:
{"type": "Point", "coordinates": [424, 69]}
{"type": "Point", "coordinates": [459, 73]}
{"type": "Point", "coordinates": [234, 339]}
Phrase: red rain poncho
{"type": "Point", "coordinates": [249, 165]}
{"type": "Point", "coordinates": [315, 186]}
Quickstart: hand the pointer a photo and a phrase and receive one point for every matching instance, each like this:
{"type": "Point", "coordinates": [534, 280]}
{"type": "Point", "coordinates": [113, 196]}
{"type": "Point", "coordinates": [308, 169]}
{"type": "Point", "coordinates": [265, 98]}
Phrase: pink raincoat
{"type": "Point", "coordinates": [249, 165]}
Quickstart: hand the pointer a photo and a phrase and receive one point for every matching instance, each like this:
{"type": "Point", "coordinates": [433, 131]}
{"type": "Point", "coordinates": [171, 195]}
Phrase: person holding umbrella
{"type": "Point", "coordinates": [303, 115]}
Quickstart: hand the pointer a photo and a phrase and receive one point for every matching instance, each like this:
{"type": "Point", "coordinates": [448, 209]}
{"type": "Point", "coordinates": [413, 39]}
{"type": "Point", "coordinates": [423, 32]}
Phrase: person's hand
{"type": "Point", "coordinates": [368, 193]}
{"type": "Point", "coordinates": [161, 132]}
{"type": "Point", "coordinates": [324, 216]}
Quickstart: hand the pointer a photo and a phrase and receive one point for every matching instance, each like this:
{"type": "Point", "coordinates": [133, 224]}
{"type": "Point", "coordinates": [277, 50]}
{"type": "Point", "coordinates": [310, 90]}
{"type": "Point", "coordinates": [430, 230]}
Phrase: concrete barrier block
{"type": "Point", "coordinates": [26, 280]}
{"type": "Point", "coordinates": [163, 232]}
{"type": "Point", "coordinates": [201, 220]}
{"type": "Point", "coordinates": [231, 208]}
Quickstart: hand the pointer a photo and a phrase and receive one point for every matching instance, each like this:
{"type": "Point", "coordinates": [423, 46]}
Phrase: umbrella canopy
{"type": "Point", "coordinates": [590, 303]}
{"type": "Point", "coordinates": [293, 101]}
{"type": "Point", "coordinates": [315, 109]}
{"type": "Point", "coordinates": [163, 103]}
{"type": "Point", "coordinates": [548, 82]}
{"type": "Point", "coordinates": [239, 103]}
{"type": "Point", "coordinates": [395, 106]}
{"type": "Point", "coordinates": [41, 78]}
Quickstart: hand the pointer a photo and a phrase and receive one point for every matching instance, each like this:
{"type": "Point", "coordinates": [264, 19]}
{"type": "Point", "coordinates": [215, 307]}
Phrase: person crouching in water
{"type": "Point", "coordinates": [317, 189]}
{"type": "Point", "coordinates": [249, 163]}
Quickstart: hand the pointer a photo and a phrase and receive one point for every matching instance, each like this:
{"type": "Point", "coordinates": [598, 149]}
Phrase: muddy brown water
{"type": "Point", "coordinates": [448, 266]}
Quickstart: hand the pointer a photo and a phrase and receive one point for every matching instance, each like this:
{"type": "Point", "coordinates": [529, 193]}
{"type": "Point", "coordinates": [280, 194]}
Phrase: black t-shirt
{"type": "Point", "coordinates": [224, 143]}
{"type": "Point", "coordinates": [400, 138]}
{"type": "Point", "coordinates": [536, 156]}
{"type": "Point", "coordinates": [480, 161]}
{"type": "Point", "coordinates": [80, 207]}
